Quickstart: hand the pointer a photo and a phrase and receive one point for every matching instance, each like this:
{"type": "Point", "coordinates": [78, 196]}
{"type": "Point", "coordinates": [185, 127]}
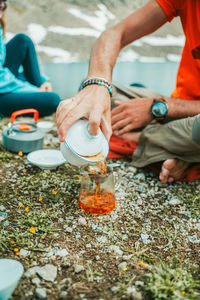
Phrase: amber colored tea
{"type": "Point", "coordinates": [97, 202]}
{"type": "Point", "coordinates": [98, 198]}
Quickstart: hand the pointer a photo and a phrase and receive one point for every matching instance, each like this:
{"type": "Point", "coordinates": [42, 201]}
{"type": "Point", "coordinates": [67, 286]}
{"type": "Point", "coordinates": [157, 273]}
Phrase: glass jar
{"type": "Point", "coordinates": [97, 193]}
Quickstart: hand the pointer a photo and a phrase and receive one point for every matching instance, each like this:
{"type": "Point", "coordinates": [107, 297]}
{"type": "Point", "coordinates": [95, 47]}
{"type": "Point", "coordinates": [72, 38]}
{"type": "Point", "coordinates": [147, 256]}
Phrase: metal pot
{"type": "Point", "coordinates": [25, 137]}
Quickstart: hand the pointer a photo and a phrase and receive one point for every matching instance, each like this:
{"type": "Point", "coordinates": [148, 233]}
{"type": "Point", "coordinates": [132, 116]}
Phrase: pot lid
{"type": "Point", "coordinates": [80, 140]}
{"type": "Point", "coordinates": [23, 127]}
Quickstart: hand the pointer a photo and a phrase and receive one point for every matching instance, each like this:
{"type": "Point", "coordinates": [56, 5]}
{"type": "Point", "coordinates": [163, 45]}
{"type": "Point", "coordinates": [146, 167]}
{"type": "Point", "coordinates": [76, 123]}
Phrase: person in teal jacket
{"type": "Point", "coordinates": [17, 90]}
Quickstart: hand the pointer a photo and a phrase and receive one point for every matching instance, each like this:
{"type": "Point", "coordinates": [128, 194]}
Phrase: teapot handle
{"type": "Point", "coordinates": [24, 111]}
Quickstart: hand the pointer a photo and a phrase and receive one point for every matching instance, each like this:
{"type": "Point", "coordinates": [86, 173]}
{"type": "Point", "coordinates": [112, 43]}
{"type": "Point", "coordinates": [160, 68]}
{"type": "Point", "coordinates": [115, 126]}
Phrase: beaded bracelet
{"type": "Point", "coordinates": [98, 81]}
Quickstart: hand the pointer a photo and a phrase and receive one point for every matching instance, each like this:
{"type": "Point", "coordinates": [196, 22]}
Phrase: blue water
{"type": "Point", "coordinates": [160, 77]}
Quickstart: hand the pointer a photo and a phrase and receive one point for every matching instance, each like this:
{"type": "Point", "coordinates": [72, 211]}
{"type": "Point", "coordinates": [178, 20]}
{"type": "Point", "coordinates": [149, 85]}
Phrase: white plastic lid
{"type": "Point", "coordinates": [80, 140]}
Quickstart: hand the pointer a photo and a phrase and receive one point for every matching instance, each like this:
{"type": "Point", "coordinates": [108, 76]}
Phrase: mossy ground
{"type": "Point", "coordinates": [40, 204]}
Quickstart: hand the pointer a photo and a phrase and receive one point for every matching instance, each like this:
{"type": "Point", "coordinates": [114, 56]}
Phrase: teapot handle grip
{"type": "Point", "coordinates": [24, 111]}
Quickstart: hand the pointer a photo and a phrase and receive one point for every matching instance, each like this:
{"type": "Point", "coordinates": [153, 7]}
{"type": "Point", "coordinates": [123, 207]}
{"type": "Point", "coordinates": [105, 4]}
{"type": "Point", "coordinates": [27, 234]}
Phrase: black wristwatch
{"type": "Point", "coordinates": [159, 109]}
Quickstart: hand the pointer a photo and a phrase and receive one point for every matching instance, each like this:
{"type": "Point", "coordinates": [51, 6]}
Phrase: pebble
{"type": "Point", "coordinates": [116, 250]}
{"type": "Point", "coordinates": [62, 253]}
{"type": "Point", "coordinates": [122, 266]}
{"type": "Point", "coordinates": [6, 223]}
{"type": "Point", "coordinates": [41, 293]}
{"type": "Point", "coordinates": [131, 291]}
{"type": "Point", "coordinates": [48, 272]}
{"type": "Point", "coordinates": [174, 201]}
{"type": "Point", "coordinates": [82, 221]}
{"type": "Point", "coordinates": [24, 252]}
{"type": "Point", "coordinates": [145, 238]}
{"type": "Point", "coordinates": [139, 283]}
{"type": "Point", "coordinates": [127, 257]}
{"type": "Point", "coordinates": [63, 294]}
{"type": "Point", "coordinates": [36, 281]}
{"type": "Point", "coordinates": [2, 208]}
{"type": "Point", "coordinates": [78, 268]}
{"type": "Point", "coordinates": [3, 215]}
{"type": "Point", "coordinates": [68, 229]}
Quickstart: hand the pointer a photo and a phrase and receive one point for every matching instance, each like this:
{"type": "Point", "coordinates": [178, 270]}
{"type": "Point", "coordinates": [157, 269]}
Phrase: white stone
{"type": "Point", "coordinates": [116, 250]}
{"type": "Point", "coordinates": [174, 201]}
{"type": "Point", "coordinates": [122, 266]}
{"type": "Point", "coordinates": [48, 272]}
{"type": "Point", "coordinates": [145, 238]}
{"type": "Point", "coordinates": [82, 221]}
{"type": "Point", "coordinates": [68, 229]}
{"type": "Point", "coordinates": [36, 281]}
{"type": "Point", "coordinates": [32, 271]}
{"type": "Point", "coordinates": [2, 208]}
{"type": "Point", "coordinates": [62, 253]}
{"type": "Point", "coordinates": [78, 268]}
{"type": "Point", "coordinates": [131, 291]}
{"type": "Point", "coordinates": [41, 293]}
{"type": "Point", "coordinates": [24, 252]}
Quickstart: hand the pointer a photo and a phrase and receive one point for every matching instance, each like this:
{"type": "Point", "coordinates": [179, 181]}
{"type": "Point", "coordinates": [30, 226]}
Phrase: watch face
{"type": "Point", "coordinates": [159, 109]}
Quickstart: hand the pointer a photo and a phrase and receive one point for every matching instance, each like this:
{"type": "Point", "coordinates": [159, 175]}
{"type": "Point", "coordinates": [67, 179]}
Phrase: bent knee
{"type": "Point", "coordinates": [22, 38]}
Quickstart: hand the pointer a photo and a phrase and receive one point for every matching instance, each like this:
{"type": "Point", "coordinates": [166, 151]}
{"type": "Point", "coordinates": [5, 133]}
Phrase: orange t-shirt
{"type": "Point", "coordinates": [188, 76]}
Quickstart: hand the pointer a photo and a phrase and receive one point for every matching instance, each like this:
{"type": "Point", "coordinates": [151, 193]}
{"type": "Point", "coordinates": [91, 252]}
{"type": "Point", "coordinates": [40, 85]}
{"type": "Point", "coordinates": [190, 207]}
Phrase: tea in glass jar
{"type": "Point", "coordinates": [97, 195]}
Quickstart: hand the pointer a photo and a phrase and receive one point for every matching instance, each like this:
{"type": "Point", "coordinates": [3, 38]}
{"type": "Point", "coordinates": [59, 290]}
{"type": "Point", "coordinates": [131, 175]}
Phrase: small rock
{"type": "Point", "coordinates": [32, 271]}
{"type": "Point", "coordinates": [122, 266]}
{"type": "Point", "coordinates": [78, 268]}
{"type": "Point", "coordinates": [6, 223]}
{"type": "Point", "coordinates": [145, 238]}
{"type": "Point", "coordinates": [24, 253]}
{"type": "Point", "coordinates": [36, 281]}
{"type": "Point", "coordinates": [82, 221]}
{"type": "Point", "coordinates": [48, 272]}
{"type": "Point", "coordinates": [140, 176]}
{"type": "Point", "coordinates": [139, 283]}
{"type": "Point", "coordinates": [68, 229]}
{"type": "Point", "coordinates": [41, 293]}
{"type": "Point", "coordinates": [127, 257]}
{"type": "Point", "coordinates": [116, 250]}
{"type": "Point", "coordinates": [174, 201]}
{"type": "Point", "coordinates": [2, 208]}
{"type": "Point", "coordinates": [131, 291]}
{"type": "Point", "coordinates": [115, 289]}
{"type": "Point", "coordinates": [62, 253]}
{"type": "Point", "coordinates": [63, 294]}
{"type": "Point", "coordinates": [3, 216]}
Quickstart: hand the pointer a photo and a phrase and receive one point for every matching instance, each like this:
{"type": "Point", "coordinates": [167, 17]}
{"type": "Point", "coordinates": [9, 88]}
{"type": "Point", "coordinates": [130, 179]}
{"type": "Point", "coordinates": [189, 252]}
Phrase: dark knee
{"type": "Point", "coordinates": [23, 39]}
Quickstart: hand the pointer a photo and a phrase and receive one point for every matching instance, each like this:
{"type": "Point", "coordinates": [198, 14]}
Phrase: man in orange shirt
{"type": "Point", "coordinates": [177, 143]}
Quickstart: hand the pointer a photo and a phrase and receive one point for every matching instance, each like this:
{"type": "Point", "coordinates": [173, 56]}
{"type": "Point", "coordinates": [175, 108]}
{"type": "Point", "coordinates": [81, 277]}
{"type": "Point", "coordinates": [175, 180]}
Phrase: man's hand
{"type": "Point", "coordinates": [131, 114]}
{"type": "Point", "coordinates": [92, 103]}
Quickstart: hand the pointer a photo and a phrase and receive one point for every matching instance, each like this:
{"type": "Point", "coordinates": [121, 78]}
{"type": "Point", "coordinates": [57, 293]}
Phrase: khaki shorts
{"type": "Point", "coordinates": [158, 142]}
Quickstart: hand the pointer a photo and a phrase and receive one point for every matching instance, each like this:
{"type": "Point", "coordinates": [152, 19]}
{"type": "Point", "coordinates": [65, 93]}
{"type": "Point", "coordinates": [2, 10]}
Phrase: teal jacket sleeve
{"type": "Point", "coordinates": [8, 82]}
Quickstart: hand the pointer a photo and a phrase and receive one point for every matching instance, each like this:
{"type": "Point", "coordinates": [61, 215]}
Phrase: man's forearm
{"type": "Point", "coordinates": [106, 50]}
{"type": "Point", "coordinates": [182, 108]}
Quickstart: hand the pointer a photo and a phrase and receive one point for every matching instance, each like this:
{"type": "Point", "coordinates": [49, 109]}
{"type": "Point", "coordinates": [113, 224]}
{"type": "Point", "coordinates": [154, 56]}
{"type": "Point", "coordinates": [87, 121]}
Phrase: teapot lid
{"type": "Point", "coordinates": [80, 140]}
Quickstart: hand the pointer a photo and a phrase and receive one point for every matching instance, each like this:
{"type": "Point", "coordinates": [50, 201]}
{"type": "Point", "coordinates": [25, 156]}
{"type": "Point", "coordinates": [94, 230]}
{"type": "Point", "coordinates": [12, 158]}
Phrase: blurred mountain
{"type": "Point", "coordinates": [65, 30]}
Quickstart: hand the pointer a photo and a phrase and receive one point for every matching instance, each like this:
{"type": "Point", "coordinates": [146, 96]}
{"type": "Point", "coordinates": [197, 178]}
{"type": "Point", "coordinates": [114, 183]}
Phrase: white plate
{"type": "Point", "coordinates": [45, 126]}
{"type": "Point", "coordinates": [46, 158]}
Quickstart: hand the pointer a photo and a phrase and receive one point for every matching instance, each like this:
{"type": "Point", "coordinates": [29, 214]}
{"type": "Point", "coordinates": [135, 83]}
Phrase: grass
{"type": "Point", "coordinates": [165, 282]}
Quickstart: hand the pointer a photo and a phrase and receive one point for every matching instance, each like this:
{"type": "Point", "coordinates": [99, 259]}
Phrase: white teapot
{"type": "Point", "coordinates": [81, 148]}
